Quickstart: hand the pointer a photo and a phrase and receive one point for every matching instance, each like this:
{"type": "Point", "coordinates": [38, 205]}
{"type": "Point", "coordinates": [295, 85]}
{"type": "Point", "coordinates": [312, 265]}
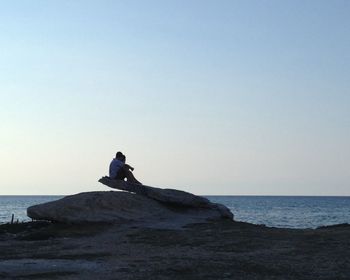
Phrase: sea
{"type": "Point", "coordinates": [273, 211]}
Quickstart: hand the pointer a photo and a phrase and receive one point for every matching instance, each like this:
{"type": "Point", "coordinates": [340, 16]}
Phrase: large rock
{"type": "Point", "coordinates": [168, 196]}
{"type": "Point", "coordinates": [119, 207]}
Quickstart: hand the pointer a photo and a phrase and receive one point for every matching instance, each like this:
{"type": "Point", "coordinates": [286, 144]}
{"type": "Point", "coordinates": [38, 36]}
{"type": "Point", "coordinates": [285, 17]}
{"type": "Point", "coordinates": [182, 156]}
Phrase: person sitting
{"type": "Point", "coordinates": [119, 170]}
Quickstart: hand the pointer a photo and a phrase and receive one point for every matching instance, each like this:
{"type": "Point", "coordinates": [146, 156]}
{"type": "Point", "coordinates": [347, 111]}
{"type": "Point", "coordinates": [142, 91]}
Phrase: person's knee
{"type": "Point", "coordinates": [128, 173]}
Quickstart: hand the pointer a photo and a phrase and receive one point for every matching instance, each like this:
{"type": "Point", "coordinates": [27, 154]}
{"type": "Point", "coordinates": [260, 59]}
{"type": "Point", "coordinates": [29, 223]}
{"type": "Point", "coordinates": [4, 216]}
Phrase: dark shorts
{"type": "Point", "coordinates": [121, 174]}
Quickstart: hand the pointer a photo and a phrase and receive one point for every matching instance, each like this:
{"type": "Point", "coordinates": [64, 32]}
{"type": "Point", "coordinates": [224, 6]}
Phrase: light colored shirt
{"type": "Point", "coordinates": [114, 167]}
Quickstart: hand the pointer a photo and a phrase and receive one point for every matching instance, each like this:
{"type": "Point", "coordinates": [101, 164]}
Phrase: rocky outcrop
{"type": "Point", "coordinates": [119, 207]}
{"type": "Point", "coordinates": [168, 196]}
{"type": "Point", "coordinates": [141, 204]}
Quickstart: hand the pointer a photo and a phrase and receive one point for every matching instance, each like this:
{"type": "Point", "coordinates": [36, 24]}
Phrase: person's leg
{"type": "Point", "coordinates": [121, 174]}
{"type": "Point", "coordinates": [131, 178]}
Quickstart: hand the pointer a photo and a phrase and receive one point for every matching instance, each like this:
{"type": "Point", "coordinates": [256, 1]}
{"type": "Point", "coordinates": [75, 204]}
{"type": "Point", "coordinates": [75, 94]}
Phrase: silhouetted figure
{"type": "Point", "coordinates": [119, 170]}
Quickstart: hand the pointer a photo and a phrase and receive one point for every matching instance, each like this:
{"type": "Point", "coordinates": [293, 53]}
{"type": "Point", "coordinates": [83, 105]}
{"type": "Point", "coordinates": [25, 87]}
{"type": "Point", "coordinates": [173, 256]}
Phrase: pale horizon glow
{"type": "Point", "coordinates": [211, 97]}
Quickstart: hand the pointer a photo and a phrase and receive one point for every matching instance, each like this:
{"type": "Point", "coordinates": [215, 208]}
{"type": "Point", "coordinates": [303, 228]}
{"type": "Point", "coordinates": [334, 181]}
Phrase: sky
{"type": "Point", "coordinates": [211, 97]}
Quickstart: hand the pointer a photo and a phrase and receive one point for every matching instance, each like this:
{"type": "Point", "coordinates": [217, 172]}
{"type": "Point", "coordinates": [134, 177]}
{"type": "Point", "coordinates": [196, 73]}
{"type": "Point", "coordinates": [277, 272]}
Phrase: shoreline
{"type": "Point", "coordinates": [263, 225]}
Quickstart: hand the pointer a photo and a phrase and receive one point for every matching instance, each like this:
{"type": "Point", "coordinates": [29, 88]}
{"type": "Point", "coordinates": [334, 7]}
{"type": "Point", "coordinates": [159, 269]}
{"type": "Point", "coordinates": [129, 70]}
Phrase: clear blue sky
{"type": "Point", "coordinates": [212, 97]}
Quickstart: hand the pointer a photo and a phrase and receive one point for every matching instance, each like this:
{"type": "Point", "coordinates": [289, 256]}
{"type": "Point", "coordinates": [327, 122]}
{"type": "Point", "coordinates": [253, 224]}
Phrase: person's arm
{"type": "Point", "coordinates": [128, 167]}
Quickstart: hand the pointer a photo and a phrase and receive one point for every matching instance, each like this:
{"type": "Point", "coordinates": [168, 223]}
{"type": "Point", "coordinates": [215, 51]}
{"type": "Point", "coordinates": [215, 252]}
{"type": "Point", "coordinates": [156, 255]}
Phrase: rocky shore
{"type": "Point", "coordinates": [214, 250]}
{"type": "Point", "coordinates": [171, 241]}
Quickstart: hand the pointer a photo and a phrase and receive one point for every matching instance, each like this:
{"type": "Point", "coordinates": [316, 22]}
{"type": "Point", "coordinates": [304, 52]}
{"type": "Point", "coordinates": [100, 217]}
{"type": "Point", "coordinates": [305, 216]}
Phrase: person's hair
{"type": "Point", "coordinates": [119, 155]}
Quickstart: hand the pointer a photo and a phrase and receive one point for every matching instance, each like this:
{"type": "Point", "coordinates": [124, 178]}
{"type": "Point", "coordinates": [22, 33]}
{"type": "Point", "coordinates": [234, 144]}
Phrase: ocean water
{"type": "Point", "coordinates": [273, 211]}
{"type": "Point", "coordinates": [18, 205]}
{"type": "Point", "coordinates": [288, 211]}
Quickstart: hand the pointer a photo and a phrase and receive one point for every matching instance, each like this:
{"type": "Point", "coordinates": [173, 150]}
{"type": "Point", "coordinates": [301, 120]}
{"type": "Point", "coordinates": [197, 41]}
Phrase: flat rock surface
{"type": "Point", "coordinates": [222, 249]}
{"type": "Point", "coordinates": [119, 207]}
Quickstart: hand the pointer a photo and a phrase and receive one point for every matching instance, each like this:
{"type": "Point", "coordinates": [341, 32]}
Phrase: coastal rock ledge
{"type": "Point", "coordinates": [139, 204]}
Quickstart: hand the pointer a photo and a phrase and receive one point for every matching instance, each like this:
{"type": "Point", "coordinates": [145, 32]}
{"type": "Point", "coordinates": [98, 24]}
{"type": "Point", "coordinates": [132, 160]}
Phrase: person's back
{"type": "Point", "coordinates": [115, 166]}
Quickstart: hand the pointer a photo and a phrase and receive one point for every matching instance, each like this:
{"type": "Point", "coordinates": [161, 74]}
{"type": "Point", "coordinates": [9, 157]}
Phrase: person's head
{"type": "Point", "coordinates": [119, 155]}
{"type": "Point", "coordinates": [122, 158]}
